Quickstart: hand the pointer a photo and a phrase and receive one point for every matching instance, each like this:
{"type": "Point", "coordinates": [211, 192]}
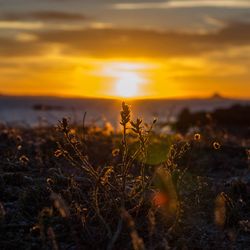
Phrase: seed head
{"type": "Point", "coordinates": [116, 152]}
{"type": "Point", "coordinates": [197, 137]}
{"type": "Point", "coordinates": [216, 145]}
{"type": "Point", "coordinates": [64, 125]}
{"type": "Point", "coordinates": [24, 159]}
{"type": "Point", "coordinates": [19, 138]}
{"type": "Point", "coordinates": [73, 140]}
{"type": "Point", "coordinates": [136, 126]}
{"type": "Point", "coordinates": [125, 114]}
{"type": "Point", "coordinates": [58, 153]}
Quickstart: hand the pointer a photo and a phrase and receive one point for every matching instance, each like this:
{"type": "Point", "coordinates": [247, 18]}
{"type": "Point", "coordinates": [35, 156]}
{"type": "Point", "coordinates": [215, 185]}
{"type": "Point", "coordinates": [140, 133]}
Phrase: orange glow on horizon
{"type": "Point", "coordinates": [143, 78]}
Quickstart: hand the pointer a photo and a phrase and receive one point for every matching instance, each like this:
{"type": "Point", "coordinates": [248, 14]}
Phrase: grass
{"type": "Point", "coordinates": [73, 187]}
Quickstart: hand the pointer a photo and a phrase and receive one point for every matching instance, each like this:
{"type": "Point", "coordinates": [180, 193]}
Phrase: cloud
{"type": "Point", "coordinates": [214, 21]}
{"type": "Point", "coordinates": [14, 48]}
{"type": "Point", "coordinates": [25, 37]}
{"type": "Point", "coordinates": [20, 25]}
{"type": "Point", "coordinates": [183, 4]}
{"type": "Point", "coordinates": [146, 43]}
{"type": "Point", "coordinates": [44, 16]}
{"type": "Point", "coordinates": [127, 43]}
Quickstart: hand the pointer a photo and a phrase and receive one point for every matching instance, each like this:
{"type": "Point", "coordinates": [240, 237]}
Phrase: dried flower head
{"type": "Point", "coordinates": [197, 137]}
{"type": "Point", "coordinates": [73, 140]}
{"type": "Point", "coordinates": [125, 114]}
{"type": "Point", "coordinates": [58, 153]}
{"type": "Point", "coordinates": [64, 125]}
{"type": "Point", "coordinates": [216, 145]}
{"type": "Point", "coordinates": [50, 181]}
{"type": "Point", "coordinates": [24, 159]}
{"type": "Point", "coordinates": [116, 152]}
{"type": "Point", "coordinates": [19, 138]}
{"type": "Point", "coordinates": [107, 175]}
{"type": "Point", "coordinates": [137, 126]}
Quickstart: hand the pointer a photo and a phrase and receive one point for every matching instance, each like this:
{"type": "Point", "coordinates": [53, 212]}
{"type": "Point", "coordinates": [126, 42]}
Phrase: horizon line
{"type": "Point", "coordinates": [119, 98]}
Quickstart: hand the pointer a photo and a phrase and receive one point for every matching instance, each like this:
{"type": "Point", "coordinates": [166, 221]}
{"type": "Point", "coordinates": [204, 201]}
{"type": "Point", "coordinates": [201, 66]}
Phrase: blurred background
{"type": "Point", "coordinates": [178, 53]}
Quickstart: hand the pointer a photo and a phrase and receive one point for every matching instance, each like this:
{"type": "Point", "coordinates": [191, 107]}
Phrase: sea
{"type": "Point", "coordinates": [37, 111]}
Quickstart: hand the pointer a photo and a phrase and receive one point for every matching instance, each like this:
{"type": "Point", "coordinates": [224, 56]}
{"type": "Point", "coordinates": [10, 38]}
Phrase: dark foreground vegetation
{"type": "Point", "coordinates": [78, 187]}
{"type": "Point", "coordinates": [235, 120]}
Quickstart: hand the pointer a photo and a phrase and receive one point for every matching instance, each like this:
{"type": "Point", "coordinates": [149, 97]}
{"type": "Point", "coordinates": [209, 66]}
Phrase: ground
{"type": "Point", "coordinates": [46, 202]}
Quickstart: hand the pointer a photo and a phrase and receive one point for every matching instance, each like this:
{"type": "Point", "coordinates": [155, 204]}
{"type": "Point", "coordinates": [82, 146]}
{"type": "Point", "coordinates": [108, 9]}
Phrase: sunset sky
{"type": "Point", "coordinates": [112, 48]}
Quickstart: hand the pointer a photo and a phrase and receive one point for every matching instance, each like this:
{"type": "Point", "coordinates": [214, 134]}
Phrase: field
{"type": "Point", "coordinates": [87, 187]}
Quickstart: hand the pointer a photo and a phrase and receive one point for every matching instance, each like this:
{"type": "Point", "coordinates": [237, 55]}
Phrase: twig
{"type": "Point", "coordinates": [116, 235]}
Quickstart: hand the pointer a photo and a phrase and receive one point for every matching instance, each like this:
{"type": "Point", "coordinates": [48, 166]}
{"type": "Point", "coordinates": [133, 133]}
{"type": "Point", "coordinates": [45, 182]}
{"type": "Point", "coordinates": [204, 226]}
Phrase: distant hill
{"type": "Point", "coordinates": [217, 96]}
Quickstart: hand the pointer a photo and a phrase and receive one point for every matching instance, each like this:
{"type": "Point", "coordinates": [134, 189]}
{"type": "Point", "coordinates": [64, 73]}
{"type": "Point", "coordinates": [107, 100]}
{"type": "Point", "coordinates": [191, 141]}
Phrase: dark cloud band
{"type": "Point", "coordinates": [132, 43]}
{"type": "Point", "coordinates": [44, 16]}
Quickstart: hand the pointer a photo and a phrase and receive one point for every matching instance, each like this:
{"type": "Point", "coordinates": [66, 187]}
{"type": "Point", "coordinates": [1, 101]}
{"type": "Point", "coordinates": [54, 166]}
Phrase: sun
{"type": "Point", "coordinates": [127, 84]}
